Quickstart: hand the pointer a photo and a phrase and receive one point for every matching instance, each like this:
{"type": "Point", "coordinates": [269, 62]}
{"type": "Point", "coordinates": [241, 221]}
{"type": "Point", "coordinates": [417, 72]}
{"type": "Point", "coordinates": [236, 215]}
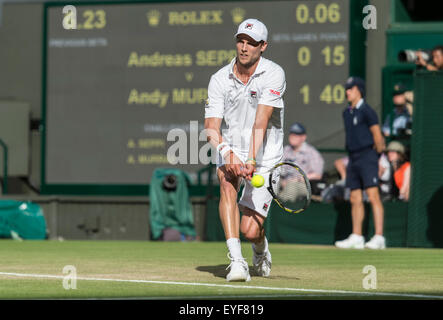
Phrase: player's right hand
{"type": "Point", "coordinates": [234, 165]}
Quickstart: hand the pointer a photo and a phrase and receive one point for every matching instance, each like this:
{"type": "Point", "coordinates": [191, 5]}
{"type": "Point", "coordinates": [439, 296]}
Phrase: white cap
{"type": "Point", "coordinates": [253, 28]}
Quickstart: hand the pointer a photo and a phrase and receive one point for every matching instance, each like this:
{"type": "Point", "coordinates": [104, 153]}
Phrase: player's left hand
{"type": "Point", "coordinates": [249, 170]}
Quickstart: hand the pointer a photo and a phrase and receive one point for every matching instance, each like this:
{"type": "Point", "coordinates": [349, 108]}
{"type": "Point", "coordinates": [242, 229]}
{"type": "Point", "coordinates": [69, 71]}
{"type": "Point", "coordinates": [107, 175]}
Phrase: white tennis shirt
{"type": "Point", "coordinates": [236, 103]}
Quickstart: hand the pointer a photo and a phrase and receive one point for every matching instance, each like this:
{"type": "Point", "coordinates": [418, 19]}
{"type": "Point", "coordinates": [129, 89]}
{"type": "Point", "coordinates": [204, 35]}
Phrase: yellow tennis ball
{"type": "Point", "coordinates": [257, 181]}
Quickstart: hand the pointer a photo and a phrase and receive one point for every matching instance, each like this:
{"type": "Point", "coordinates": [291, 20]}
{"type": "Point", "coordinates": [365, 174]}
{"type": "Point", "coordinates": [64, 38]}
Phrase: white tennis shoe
{"type": "Point", "coordinates": [262, 263]}
{"type": "Point", "coordinates": [354, 241]}
{"type": "Point", "coordinates": [239, 270]}
{"type": "Point", "coordinates": [376, 242]}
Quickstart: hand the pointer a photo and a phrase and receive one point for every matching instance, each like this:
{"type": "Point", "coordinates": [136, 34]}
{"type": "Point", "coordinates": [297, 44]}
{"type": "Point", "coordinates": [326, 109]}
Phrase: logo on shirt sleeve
{"type": "Point", "coordinates": [275, 92]}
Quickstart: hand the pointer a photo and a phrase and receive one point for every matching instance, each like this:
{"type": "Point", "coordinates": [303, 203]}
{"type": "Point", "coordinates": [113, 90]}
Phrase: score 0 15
{"type": "Point", "coordinates": [91, 19]}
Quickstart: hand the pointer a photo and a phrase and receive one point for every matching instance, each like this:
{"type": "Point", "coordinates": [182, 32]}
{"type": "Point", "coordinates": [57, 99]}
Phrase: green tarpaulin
{"type": "Point", "coordinates": [21, 219]}
{"type": "Point", "coordinates": [170, 207]}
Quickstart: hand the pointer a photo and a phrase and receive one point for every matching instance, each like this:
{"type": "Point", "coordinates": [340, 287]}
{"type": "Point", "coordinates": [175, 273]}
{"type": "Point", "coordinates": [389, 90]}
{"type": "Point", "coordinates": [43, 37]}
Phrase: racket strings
{"type": "Point", "coordinates": [290, 187]}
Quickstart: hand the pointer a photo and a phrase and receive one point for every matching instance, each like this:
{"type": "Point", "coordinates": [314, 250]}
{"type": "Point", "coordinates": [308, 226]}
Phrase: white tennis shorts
{"type": "Point", "coordinates": [257, 199]}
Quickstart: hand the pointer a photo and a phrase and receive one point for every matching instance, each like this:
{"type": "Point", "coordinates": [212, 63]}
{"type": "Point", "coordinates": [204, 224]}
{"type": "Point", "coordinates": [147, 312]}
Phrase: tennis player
{"type": "Point", "coordinates": [248, 95]}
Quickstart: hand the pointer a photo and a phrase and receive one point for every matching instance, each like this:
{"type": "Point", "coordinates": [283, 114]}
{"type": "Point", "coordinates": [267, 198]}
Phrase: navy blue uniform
{"type": "Point", "coordinates": [362, 170]}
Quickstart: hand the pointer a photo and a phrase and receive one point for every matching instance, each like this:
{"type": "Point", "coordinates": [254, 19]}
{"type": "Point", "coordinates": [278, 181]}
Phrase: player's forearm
{"type": "Point", "coordinates": [212, 129]}
{"type": "Point", "coordinates": [259, 129]}
{"type": "Point", "coordinates": [256, 140]}
{"type": "Point", "coordinates": [215, 138]}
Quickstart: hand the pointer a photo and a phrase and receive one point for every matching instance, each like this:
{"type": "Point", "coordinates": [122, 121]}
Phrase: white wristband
{"type": "Point", "coordinates": [223, 148]}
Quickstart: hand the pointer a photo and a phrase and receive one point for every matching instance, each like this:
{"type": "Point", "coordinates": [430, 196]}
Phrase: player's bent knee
{"type": "Point", "coordinates": [253, 235]}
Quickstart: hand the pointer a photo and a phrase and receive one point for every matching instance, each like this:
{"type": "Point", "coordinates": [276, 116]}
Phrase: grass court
{"type": "Point", "coordinates": [197, 270]}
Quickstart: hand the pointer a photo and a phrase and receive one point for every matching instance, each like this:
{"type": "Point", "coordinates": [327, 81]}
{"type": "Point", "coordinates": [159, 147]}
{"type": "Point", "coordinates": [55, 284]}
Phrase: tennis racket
{"type": "Point", "coordinates": [290, 187]}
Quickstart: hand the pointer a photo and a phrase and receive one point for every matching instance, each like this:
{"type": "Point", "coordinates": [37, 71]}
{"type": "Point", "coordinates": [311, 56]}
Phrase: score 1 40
{"type": "Point", "coordinates": [332, 55]}
{"type": "Point", "coordinates": [329, 94]}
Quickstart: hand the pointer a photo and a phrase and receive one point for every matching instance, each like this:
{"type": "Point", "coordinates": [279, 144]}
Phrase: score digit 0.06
{"type": "Point", "coordinates": [321, 13]}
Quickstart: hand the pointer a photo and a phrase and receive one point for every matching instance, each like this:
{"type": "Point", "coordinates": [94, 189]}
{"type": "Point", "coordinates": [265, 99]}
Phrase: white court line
{"type": "Point", "coordinates": [326, 292]}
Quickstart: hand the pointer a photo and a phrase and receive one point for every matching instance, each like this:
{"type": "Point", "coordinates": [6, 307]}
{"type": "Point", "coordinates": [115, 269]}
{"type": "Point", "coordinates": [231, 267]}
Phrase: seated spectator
{"type": "Point", "coordinates": [437, 59]}
{"type": "Point", "coordinates": [400, 117]}
{"type": "Point", "coordinates": [409, 100]}
{"type": "Point", "coordinates": [340, 165]}
{"type": "Point", "coordinates": [402, 168]}
{"type": "Point", "coordinates": [386, 182]}
{"type": "Point", "coordinates": [302, 153]}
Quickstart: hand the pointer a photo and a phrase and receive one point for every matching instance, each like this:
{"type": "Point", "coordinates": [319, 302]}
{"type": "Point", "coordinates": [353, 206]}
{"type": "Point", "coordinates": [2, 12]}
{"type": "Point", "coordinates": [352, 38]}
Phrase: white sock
{"type": "Point", "coordinates": [234, 248]}
{"type": "Point", "coordinates": [260, 247]}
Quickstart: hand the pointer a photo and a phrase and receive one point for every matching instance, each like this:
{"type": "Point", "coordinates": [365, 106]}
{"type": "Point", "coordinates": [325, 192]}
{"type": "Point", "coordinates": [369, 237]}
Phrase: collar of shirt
{"type": "Point", "coordinates": [259, 70]}
{"type": "Point", "coordinates": [358, 105]}
{"type": "Point", "coordinates": [303, 149]}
